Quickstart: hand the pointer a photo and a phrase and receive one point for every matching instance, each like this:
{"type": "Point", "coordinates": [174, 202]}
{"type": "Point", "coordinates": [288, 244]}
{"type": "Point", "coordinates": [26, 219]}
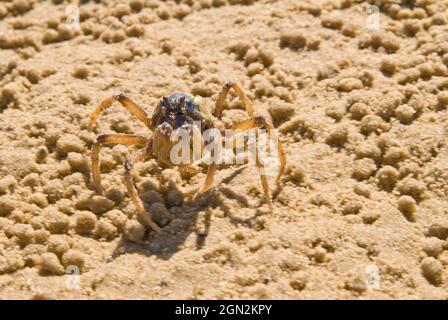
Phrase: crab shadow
{"type": "Point", "coordinates": [184, 225]}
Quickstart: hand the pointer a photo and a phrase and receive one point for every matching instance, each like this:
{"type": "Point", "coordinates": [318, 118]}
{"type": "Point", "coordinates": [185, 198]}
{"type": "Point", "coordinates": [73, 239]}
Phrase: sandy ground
{"type": "Point", "coordinates": [361, 212]}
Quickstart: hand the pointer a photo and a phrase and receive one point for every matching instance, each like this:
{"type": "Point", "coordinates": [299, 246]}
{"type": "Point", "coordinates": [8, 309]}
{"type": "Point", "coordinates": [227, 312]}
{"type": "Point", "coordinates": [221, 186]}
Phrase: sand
{"type": "Point", "coordinates": [361, 212]}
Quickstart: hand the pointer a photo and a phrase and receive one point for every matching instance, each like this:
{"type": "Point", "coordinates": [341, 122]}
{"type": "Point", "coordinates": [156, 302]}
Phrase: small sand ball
{"type": "Point", "coordinates": [439, 230]}
{"type": "Point", "coordinates": [363, 168]}
{"type": "Point", "coordinates": [100, 204]}
{"type": "Point", "coordinates": [81, 72]}
{"type": "Point", "coordinates": [408, 75]}
{"type": "Point", "coordinates": [118, 36]}
{"type": "Point", "coordinates": [359, 110]}
{"type": "Point", "coordinates": [8, 184]}
{"type": "Point", "coordinates": [121, 10]}
{"type": "Point", "coordinates": [69, 143]}
{"type": "Point", "coordinates": [32, 253]}
{"type": "Point", "coordinates": [412, 187]}
{"type": "Point", "coordinates": [350, 84]}
{"type": "Point", "coordinates": [151, 197]}
{"type": "Point", "coordinates": [63, 168]}
{"type": "Point", "coordinates": [405, 114]}
{"type": "Point", "coordinates": [356, 284]}
{"type": "Point", "coordinates": [387, 177]}
{"type": "Point", "coordinates": [251, 56]}
{"type": "Point", "coordinates": [432, 270]}
{"type": "Point", "coordinates": [21, 6]}
{"type": "Point", "coordinates": [80, 98]}
{"type": "Point", "coordinates": [105, 229]}
{"type": "Point", "coordinates": [439, 18]}
{"type": "Point", "coordinates": [332, 22]}
{"type": "Point", "coordinates": [395, 155]}
{"type": "Point", "coordinates": [338, 136]}
{"type": "Point", "coordinates": [160, 214]}
{"type": "Point", "coordinates": [369, 217]}
{"type": "Point", "coordinates": [267, 56]}
{"type": "Point", "coordinates": [443, 257]}
{"type": "Point", "coordinates": [39, 199]}
{"type": "Point", "coordinates": [407, 205]}
{"type": "Point", "coordinates": [107, 36]}
{"type": "Point", "coordinates": [58, 222]}
{"type": "Point", "coordinates": [388, 66]}
{"type": "Point", "coordinates": [281, 112]}
{"type": "Point", "coordinates": [3, 11]}
{"type": "Point", "coordinates": [41, 154]}
{"type": "Point", "coordinates": [136, 30]}
{"type": "Point", "coordinates": [433, 246]}
{"type": "Point", "coordinates": [362, 190]}
{"type": "Point", "coordinates": [50, 265]}
{"type": "Point", "coordinates": [134, 231]}
{"type": "Point", "coordinates": [38, 222]}
{"type": "Point", "coordinates": [349, 30]}
{"type": "Point", "coordinates": [175, 198]}
{"type": "Point", "coordinates": [114, 194]}
{"type": "Point", "coordinates": [85, 222]}
{"type": "Point", "coordinates": [411, 27]}
{"type": "Point", "coordinates": [12, 262]}
{"type": "Point", "coordinates": [293, 39]}
{"type": "Point", "coordinates": [58, 244]}
{"type": "Point", "coordinates": [41, 236]}
{"type": "Point", "coordinates": [117, 218]}
{"type": "Point", "coordinates": [74, 258]}
{"type": "Point", "coordinates": [5, 224]}
{"type": "Point", "coordinates": [219, 3]}
{"type": "Point", "coordinates": [299, 280]}
{"type": "Point", "coordinates": [352, 207]}
{"type": "Point", "coordinates": [294, 173]}
{"type": "Point", "coordinates": [283, 93]}
{"type": "Point", "coordinates": [254, 68]}
{"type": "Point", "coordinates": [201, 89]}
{"type": "Point", "coordinates": [386, 141]}
{"type": "Point", "coordinates": [319, 254]}
{"type": "Point", "coordinates": [31, 180]}
{"type": "Point", "coordinates": [426, 70]}
{"type": "Point", "coordinates": [442, 98]}
{"type": "Point", "coordinates": [368, 150]}
{"type": "Point", "coordinates": [7, 205]}
{"type": "Point", "coordinates": [335, 112]}
{"type": "Point", "coordinates": [372, 123]}
{"type": "Point", "coordinates": [254, 245]}
{"type": "Point", "coordinates": [54, 189]}
{"type": "Point", "coordinates": [137, 5]}
{"type": "Point", "coordinates": [24, 234]}
{"type": "Point", "coordinates": [445, 58]}
{"type": "Point", "coordinates": [78, 162]}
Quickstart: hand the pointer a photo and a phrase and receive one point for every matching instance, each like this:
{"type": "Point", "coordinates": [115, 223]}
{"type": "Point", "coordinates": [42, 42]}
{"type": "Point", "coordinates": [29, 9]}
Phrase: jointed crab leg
{"type": "Point", "coordinates": [209, 179]}
{"type": "Point", "coordinates": [126, 139]}
{"type": "Point", "coordinates": [131, 106]}
{"type": "Point", "coordinates": [144, 215]}
{"type": "Point", "coordinates": [260, 122]}
{"type": "Point", "coordinates": [222, 97]}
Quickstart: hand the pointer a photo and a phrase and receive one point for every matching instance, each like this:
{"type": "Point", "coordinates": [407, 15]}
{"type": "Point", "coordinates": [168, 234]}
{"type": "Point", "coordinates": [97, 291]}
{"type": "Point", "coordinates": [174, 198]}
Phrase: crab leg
{"type": "Point", "coordinates": [222, 97]}
{"type": "Point", "coordinates": [125, 139]}
{"type": "Point", "coordinates": [144, 215]}
{"type": "Point", "coordinates": [131, 106]}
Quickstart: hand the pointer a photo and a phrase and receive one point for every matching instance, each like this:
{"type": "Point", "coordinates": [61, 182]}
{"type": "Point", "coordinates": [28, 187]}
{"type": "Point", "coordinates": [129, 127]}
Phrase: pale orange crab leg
{"type": "Point", "coordinates": [125, 139]}
{"type": "Point", "coordinates": [131, 106]}
{"type": "Point", "coordinates": [260, 122]}
{"type": "Point", "coordinates": [222, 97]}
{"type": "Point", "coordinates": [144, 216]}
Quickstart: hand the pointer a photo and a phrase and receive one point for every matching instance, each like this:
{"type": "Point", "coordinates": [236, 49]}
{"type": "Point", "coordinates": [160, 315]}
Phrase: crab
{"type": "Point", "coordinates": [174, 111]}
